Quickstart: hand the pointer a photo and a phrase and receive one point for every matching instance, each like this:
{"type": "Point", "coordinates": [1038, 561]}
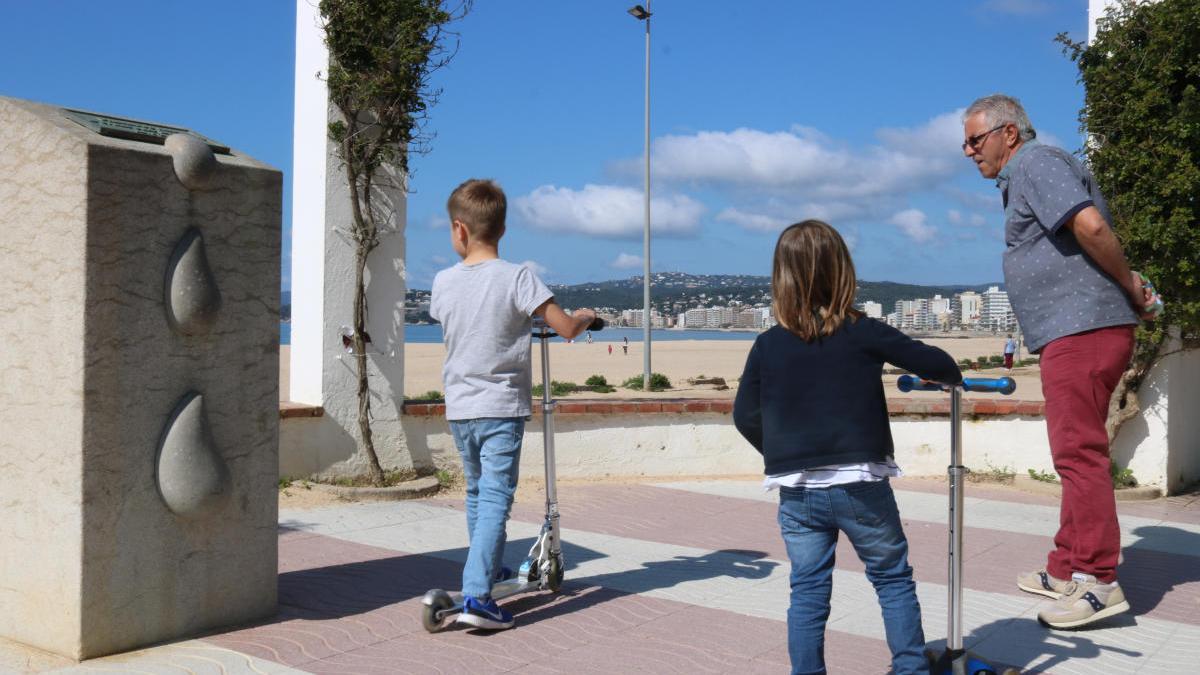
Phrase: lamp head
{"type": "Point", "coordinates": [638, 12]}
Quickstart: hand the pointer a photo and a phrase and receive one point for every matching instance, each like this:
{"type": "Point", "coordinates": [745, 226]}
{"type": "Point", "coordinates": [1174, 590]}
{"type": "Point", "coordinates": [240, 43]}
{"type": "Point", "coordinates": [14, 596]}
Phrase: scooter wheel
{"type": "Point", "coordinates": [555, 576]}
{"type": "Point", "coordinates": [434, 602]}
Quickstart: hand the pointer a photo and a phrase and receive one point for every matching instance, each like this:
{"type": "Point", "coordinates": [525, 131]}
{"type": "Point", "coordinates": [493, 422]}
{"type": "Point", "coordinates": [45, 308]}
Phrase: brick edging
{"type": "Point", "coordinates": [897, 407]}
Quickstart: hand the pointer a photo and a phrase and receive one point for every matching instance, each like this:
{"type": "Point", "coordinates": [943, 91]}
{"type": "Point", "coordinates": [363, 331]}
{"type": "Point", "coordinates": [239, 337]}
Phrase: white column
{"type": "Point", "coordinates": [322, 372]}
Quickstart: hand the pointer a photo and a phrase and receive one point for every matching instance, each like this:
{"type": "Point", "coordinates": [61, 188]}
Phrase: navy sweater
{"type": "Point", "coordinates": [809, 404]}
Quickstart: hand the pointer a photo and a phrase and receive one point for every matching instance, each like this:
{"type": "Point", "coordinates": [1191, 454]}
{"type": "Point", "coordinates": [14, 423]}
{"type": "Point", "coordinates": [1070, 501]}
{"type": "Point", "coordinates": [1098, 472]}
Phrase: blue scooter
{"type": "Point", "coordinates": [956, 660]}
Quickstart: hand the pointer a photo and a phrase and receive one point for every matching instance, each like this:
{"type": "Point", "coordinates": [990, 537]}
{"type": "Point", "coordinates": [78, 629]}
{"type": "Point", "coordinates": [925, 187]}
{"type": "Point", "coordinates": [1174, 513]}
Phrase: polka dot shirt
{"type": "Point", "coordinates": [1054, 287]}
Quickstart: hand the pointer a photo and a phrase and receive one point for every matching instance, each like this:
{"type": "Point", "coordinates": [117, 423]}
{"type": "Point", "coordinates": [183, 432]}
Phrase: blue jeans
{"type": "Point", "coordinates": [810, 520]}
{"type": "Point", "coordinates": [491, 452]}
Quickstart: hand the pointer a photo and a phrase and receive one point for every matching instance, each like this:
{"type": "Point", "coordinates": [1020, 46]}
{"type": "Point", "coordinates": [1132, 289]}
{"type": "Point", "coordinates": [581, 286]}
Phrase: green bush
{"type": "Point", "coordinates": [1042, 476]}
{"type": "Point", "coordinates": [599, 384]}
{"type": "Point", "coordinates": [996, 359]}
{"type": "Point", "coordinates": [1121, 478]}
{"type": "Point", "coordinates": [658, 382]}
{"type": "Point", "coordinates": [1142, 112]}
{"type": "Point", "coordinates": [556, 388]}
{"type": "Point", "coordinates": [431, 395]}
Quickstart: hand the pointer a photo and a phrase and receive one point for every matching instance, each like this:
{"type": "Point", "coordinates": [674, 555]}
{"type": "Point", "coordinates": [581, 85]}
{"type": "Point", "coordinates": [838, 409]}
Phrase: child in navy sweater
{"type": "Point", "coordinates": [811, 401]}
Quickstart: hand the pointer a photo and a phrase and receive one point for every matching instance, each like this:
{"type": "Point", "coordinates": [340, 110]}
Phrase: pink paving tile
{"type": "Point", "coordinates": [1161, 585]}
{"type": "Point", "coordinates": [360, 613]}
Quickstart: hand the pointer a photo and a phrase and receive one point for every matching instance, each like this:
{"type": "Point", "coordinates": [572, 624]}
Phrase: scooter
{"type": "Point", "coordinates": [955, 660]}
{"type": "Point", "coordinates": [544, 566]}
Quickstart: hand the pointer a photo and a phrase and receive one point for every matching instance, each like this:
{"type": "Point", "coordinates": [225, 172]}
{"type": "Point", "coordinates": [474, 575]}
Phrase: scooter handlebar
{"type": "Point", "coordinates": [907, 383]}
{"type": "Point", "coordinates": [999, 385]}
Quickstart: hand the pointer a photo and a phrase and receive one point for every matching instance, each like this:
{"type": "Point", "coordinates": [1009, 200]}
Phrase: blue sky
{"type": "Point", "coordinates": [762, 113]}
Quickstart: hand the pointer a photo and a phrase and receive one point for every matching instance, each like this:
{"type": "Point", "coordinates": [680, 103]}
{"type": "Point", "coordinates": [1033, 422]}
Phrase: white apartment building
{"type": "Point", "coordinates": [964, 309]}
{"type": "Point", "coordinates": [748, 318]}
{"type": "Point", "coordinates": [995, 312]}
{"type": "Point", "coordinates": [872, 309]}
{"type": "Point", "coordinates": [633, 318]}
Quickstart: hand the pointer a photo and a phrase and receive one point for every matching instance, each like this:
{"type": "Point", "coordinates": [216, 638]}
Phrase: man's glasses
{"type": "Point", "coordinates": [975, 141]}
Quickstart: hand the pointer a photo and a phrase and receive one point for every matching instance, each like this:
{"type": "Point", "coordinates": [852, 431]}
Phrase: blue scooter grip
{"type": "Point", "coordinates": [907, 383]}
{"type": "Point", "coordinates": [1000, 385]}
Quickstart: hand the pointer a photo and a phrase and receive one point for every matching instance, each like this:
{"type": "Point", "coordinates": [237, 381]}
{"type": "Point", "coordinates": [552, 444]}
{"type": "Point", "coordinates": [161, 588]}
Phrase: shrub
{"type": "Point", "coordinates": [1122, 478]}
{"type": "Point", "coordinates": [1042, 476]}
{"type": "Point", "coordinates": [996, 359]}
{"type": "Point", "coordinates": [658, 382]}
{"type": "Point", "coordinates": [556, 388]}
{"type": "Point", "coordinates": [431, 395]}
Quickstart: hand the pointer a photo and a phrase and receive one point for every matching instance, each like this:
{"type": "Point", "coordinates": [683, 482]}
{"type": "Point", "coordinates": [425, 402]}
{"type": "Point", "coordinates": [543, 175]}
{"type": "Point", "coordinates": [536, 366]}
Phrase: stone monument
{"type": "Point", "coordinates": [139, 381]}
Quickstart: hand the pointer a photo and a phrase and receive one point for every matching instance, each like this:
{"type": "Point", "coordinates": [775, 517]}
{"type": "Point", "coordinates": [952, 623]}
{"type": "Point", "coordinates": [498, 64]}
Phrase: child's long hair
{"type": "Point", "coordinates": [812, 280]}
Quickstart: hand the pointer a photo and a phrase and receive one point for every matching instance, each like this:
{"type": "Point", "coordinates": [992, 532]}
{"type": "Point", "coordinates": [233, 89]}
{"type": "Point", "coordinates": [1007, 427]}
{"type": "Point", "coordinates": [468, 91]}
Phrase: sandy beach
{"type": "Point", "coordinates": [680, 361]}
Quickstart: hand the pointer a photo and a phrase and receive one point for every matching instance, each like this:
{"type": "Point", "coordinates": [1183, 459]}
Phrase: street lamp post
{"type": "Point", "coordinates": [643, 14]}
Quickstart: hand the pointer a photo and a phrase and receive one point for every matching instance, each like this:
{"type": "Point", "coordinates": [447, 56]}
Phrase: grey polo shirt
{"type": "Point", "coordinates": [1054, 287]}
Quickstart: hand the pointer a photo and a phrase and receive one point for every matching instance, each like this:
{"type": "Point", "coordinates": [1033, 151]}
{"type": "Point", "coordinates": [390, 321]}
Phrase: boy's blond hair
{"type": "Point", "coordinates": [479, 204]}
{"type": "Point", "coordinates": [812, 280]}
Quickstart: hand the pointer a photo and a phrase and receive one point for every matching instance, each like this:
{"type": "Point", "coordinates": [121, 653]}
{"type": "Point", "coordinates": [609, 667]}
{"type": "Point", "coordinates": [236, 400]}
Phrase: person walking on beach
{"type": "Point", "coordinates": [625, 345]}
{"type": "Point", "coordinates": [811, 402]}
{"type": "Point", "coordinates": [485, 306]}
{"type": "Point", "coordinates": [1010, 349]}
{"type": "Point", "coordinates": [1078, 303]}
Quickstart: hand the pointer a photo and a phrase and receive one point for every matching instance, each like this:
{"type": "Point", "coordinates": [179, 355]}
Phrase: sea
{"type": "Point", "coordinates": [432, 333]}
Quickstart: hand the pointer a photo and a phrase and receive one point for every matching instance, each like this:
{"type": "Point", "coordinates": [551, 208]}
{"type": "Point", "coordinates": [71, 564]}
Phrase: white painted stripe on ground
{"type": "Point", "coordinates": [998, 626]}
{"type": "Point", "coordinates": [990, 514]}
{"type": "Point", "coordinates": [192, 656]}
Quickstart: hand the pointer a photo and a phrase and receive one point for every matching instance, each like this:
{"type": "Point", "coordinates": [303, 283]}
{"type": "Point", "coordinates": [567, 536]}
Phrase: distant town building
{"type": "Point", "coordinates": [633, 318]}
{"type": "Point", "coordinates": [872, 309]}
{"type": "Point", "coordinates": [964, 309]}
{"type": "Point", "coordinates": [995, 313]}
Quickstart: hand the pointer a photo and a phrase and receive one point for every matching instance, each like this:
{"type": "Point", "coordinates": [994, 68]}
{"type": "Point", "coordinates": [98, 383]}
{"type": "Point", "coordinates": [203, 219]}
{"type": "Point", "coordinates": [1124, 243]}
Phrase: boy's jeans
{"type": "Point", "coordinates": [810, 520]}
{"type": "Point", "coordinates": [491, 453]}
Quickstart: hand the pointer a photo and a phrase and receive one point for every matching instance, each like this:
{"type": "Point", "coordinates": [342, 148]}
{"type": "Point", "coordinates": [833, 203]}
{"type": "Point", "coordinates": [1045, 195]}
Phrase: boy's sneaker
{"type": "Point", "coordinates": [1042, 583]}
{"type": "Point", "coordinates": [1084, 601]}
{"type": "Point", "coordinates": [487, 615]}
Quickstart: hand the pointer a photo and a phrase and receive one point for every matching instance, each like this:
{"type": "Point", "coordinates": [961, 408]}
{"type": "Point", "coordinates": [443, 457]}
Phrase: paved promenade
{"type": "Point", "coordinates": [686, 577]}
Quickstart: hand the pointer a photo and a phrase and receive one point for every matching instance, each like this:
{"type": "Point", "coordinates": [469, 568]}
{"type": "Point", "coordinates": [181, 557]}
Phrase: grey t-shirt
{"type": "Point", "coordinates": [485, 310]}
{"type": "Point", "coordinates": [1054, 287]}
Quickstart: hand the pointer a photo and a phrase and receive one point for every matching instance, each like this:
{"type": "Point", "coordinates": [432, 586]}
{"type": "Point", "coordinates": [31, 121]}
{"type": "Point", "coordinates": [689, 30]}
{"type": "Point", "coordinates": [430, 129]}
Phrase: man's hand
{"type": "Point", "coordinates": [1143, 297]}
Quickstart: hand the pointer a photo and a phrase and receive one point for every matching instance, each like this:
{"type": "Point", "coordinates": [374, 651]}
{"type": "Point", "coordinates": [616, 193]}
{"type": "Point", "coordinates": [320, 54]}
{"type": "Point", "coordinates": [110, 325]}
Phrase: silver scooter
{"type": "Point", "coordinates": [543, 568]}
{"type": "Point", "coordinates": [955, 659]}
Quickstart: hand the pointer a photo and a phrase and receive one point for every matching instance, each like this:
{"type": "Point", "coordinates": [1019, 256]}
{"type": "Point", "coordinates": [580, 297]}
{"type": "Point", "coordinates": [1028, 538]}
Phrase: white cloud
{"type": "Point", "coordinates": [626, 261]}
{"type": "Point", "coordinates": [536, 267]}
{"type": "Point", "coordinates": [439, 260]}
{"type": "Point", "coordinates": [912, 223]}
{"type": "Point", "coordinates": [811, 166]}
{"type": "Point", "coordinates": [753, 221]}
{"type": "Point", "coordinates": [608, 211]}
{"type": "Point", "coordinates": [956, 217]}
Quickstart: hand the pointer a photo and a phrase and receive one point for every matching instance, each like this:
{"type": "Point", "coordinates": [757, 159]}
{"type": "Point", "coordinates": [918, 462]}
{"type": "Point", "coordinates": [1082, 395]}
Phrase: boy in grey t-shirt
{"type": "Point", "coordinates": [485, 306]}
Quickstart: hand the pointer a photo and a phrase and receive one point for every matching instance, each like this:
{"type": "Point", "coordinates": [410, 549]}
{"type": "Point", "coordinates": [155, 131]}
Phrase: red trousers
{"type": "Point", "coordinates": [1079, 373]}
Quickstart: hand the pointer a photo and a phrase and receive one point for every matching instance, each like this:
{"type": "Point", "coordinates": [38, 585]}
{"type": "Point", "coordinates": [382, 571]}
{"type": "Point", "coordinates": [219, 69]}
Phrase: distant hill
{"type": "Point", "coordinates": [673, 292]}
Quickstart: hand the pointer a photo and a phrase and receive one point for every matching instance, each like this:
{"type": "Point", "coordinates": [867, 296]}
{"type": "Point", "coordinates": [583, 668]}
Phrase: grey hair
{"type": "Point", "coordinates": [1000, 109]}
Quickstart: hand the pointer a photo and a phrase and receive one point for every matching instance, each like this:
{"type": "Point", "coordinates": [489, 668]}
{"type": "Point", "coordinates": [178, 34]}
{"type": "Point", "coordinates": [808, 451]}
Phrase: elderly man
{"type": "Point", "coordinates": [1078, 303]}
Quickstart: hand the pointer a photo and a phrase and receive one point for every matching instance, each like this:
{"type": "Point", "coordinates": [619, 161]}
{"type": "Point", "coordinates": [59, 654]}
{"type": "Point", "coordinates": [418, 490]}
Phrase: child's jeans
{"type": "Point", "coordinates": [810, 520]}
{"type": "Point", "coordinates": [491, 453]}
